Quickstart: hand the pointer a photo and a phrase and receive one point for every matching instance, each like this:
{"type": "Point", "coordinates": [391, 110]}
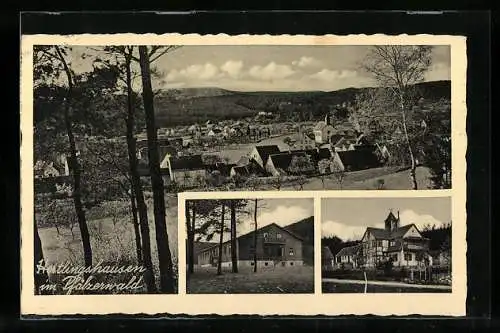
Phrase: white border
{"type": "Point", "coordinates": [452, 304]}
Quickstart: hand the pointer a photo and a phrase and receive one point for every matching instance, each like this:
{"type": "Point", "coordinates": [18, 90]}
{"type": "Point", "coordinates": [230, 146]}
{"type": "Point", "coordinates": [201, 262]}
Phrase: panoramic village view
{"type": "Point", "coordinates": [391, 245]}
{"type": "Point", "coordinates": [120, 130]}
{"type": "Point", "coordinates": [250, 246]}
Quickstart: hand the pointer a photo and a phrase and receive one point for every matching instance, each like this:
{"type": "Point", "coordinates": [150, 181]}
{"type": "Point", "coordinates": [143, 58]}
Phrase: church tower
{"type": "Point", "coordinates": [391, 222]}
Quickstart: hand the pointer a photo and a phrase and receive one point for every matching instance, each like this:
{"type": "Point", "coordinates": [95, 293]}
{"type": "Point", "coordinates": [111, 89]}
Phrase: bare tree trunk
{"type": "Point", "coordinates": [190, 219]}
{"type": "Point", "coordinates": [410, 151]}
{"type": "Point", "coordinates": [164, 255]}
{"type": "Point", "coordinates": [142, 209]}
{"type": "Point", "coordinates": [255, 237]}
{"type": "Point", "coordinates": [234, 258]}
{"type": "Point", "coordinates": [137, 232]}
{"type": "Point", "coordinates": [221, 231]}
{"type": "Point", "coordinates": [40, 276]}
{"type": "Point", "coordinates": [75, 167]}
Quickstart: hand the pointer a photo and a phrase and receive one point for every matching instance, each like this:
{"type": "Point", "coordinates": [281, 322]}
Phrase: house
{"type": "Point", "coordinates": [57, 166]}
{"type": "Point", "coordinates": [323, 131]}
{"type": "Point", "coordinates": [404, 245]}
{"type": "Point", "coordinates": [327, 259]}
{"type": "Point", "coordinates": [246, 167]}
{"type": "Point", "coordinates": [347, 257]}
{"type": "Point", "coordinates": [279, 164]}
{"type": "Point", "coordinates": [357, 159]}
{"type": "Point", "coordinates": [199, 247]}
{"type": "Point", "coordinates": [276, 246]}
{"type": "Point", "coordinates": [348, 141]}
{"type": "Point", "coordinates": [163, 150]}
{"type": "Point", "coordinates": [305, 230]}
{"type": "Point", "coordinates": [188, 170]}
{"type": "Point", "coordinates": [261, 154]}
{"type": "Point", "coordinates": [304, 141]}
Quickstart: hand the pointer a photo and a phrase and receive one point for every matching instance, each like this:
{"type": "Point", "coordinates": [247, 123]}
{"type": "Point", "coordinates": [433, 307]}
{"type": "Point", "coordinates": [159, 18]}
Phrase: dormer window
{"type": "Point", "coordinates": [266, 235]}
{"type": "Point", "coordinates": [278, 235]}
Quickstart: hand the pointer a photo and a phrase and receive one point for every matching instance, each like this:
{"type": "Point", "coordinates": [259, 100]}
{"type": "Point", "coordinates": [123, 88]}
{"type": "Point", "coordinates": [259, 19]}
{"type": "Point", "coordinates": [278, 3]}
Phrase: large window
{"type": "Point", "coordinates": [408, 256]}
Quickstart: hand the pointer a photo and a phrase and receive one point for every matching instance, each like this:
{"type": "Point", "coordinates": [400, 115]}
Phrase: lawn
{"type": "Point", "coordinates": [332, 287]}
{"type": "Point", "coordinates": [277, 280]}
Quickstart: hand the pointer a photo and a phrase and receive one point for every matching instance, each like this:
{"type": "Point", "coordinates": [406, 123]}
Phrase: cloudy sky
{"type": "Point", "coordinates": [280, 211]}
{"type": "Point", "coordinates": [271, 68]}
{"type": "Point", "coordinates": [348, 218]}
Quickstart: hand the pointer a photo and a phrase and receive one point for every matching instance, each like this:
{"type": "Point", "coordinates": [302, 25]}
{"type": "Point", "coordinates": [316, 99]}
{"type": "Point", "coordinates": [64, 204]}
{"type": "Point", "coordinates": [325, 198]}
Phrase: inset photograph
{"type": "Point", "coordinates": [386, 245]}
{"type": "Point", "coordinates": [250, 246]}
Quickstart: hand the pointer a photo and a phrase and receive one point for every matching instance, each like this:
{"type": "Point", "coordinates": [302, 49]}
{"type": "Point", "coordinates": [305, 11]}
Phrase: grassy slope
{"type": "Point", "coordinates": [112, 244]}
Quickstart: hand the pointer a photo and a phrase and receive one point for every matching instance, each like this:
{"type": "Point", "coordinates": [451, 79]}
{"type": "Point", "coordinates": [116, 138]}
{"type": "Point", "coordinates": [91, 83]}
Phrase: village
{"type": "Point", "coordinates": [230, 153]}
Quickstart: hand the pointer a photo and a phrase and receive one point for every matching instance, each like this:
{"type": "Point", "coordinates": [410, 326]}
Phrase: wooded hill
{"type": "Point", "coordinates": [195, 105]}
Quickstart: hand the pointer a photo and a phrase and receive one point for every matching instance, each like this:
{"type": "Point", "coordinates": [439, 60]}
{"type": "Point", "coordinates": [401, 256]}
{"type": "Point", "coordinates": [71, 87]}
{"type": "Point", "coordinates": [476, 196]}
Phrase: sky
{"type": "Point", "coordinates": [348, 218]}
{"type": "Point", "coordinates": [269, 68]}
{"type": "Point", "coordinates": [280, 211]}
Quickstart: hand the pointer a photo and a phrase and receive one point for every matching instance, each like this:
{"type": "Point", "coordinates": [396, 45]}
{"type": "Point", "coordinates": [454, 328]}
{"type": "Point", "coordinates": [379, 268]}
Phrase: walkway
{"type": "Point", "coordinates": [387, 283]}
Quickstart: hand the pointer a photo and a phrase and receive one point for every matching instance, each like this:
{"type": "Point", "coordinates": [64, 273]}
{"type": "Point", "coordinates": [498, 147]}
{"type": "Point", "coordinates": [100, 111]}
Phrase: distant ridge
{"type": "Point", "coordinates": [183, 106]}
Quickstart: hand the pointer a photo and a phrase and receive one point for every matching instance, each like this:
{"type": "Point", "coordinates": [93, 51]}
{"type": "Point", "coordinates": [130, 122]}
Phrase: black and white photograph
{"type": "Point", "coordinates": [386, 245]}
{"type": "Point", "coordinates": [249, 246]}
{"type": "Point", "coordinates": [194, 166]}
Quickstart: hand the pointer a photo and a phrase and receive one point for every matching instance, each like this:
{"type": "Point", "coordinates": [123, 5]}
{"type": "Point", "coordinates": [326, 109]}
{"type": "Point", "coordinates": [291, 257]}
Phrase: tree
{"type": "Point", "coordinates": [164, 255]}
{"type": "Point", "coordinates": [221, 236]}
{"type": "Point", "coordinates": [289, 142]}
{"type": "Point", "coordinates": [339, 174]}
{"type": "Point", "coordinates": [234, 258]}
{"type": "Point", "coordinates": [51, 61]}
{"type": "Point", "coordinates": [301, 165]}
{"type": "Point", "coordinates": [41, 276]}
{"type": "Point", "coordinates": [398, 68]}
{"type": "Point", "coordinates": [324, 167]}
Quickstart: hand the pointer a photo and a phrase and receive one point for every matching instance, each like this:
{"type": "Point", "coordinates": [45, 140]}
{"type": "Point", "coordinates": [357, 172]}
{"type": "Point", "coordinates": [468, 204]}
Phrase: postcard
{"type": "Point", "coordinates": [252, 174]}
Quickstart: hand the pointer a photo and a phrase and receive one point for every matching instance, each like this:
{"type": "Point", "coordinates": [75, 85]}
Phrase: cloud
{"type": "Point", "coordinates": [355, 232]}
{"type": "Point", "coordinates": [438, 71]}
{"type": "Point", "coordinates": [281, 215]}
{"type": "Point", "coordinates": [306, 62]}
{"type": "Point", "coordinates": [232, 68]}
{"type": "Point", "coordinates": [271, 71]}
{"type": "Point", "coordinates": [409, 216]}
{"type": "Point", "coordinates": [344, 231]}
{"type": "Point", "coordinates": [207, 71]}
{"type": "Point", "coordinates": [331, 75]}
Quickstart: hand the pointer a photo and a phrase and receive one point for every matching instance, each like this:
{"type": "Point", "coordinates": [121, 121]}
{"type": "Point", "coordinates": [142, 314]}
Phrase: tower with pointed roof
{"type": "Point", "coordinates": [391, 222]}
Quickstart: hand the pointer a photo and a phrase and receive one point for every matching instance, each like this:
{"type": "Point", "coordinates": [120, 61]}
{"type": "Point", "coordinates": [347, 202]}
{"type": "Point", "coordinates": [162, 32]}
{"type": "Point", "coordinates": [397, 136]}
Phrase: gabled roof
{"type": "Point", "coordinates": [200, 246]}
{"type": "Point", "coordinates": [324, 153]}
{"type": "Point", "coordinates": [359, 159]}
{"type": "Point", "coordinates": [189, 162]}
{"type": "Point", "coordinates": [335, 138]}
{"type": "Point", "coordinates": [379, 233]}
{"type": "Point", "coordinates": [265, 151]}
{"type": "Point", "coordinates": [250, 233]}
{"type": "Point", "coordinates": [348, 251]}
{"type": "Point", "coordinates": [401, 231]}
{"type": "Point", "coordinates": [241, 170]}
{"type": "Point", "coordinates": [283, 160]}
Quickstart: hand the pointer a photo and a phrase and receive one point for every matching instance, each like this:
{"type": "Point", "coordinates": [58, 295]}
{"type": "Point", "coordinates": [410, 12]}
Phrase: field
{"type": "Point", "coordinates": [270, 281]}
{"type": "Point", "coordinates": [393, 178]}
{"type": "Point", "coordinates": [111, 243]}
{"type": "Point", "coordinates": [338, 286]}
